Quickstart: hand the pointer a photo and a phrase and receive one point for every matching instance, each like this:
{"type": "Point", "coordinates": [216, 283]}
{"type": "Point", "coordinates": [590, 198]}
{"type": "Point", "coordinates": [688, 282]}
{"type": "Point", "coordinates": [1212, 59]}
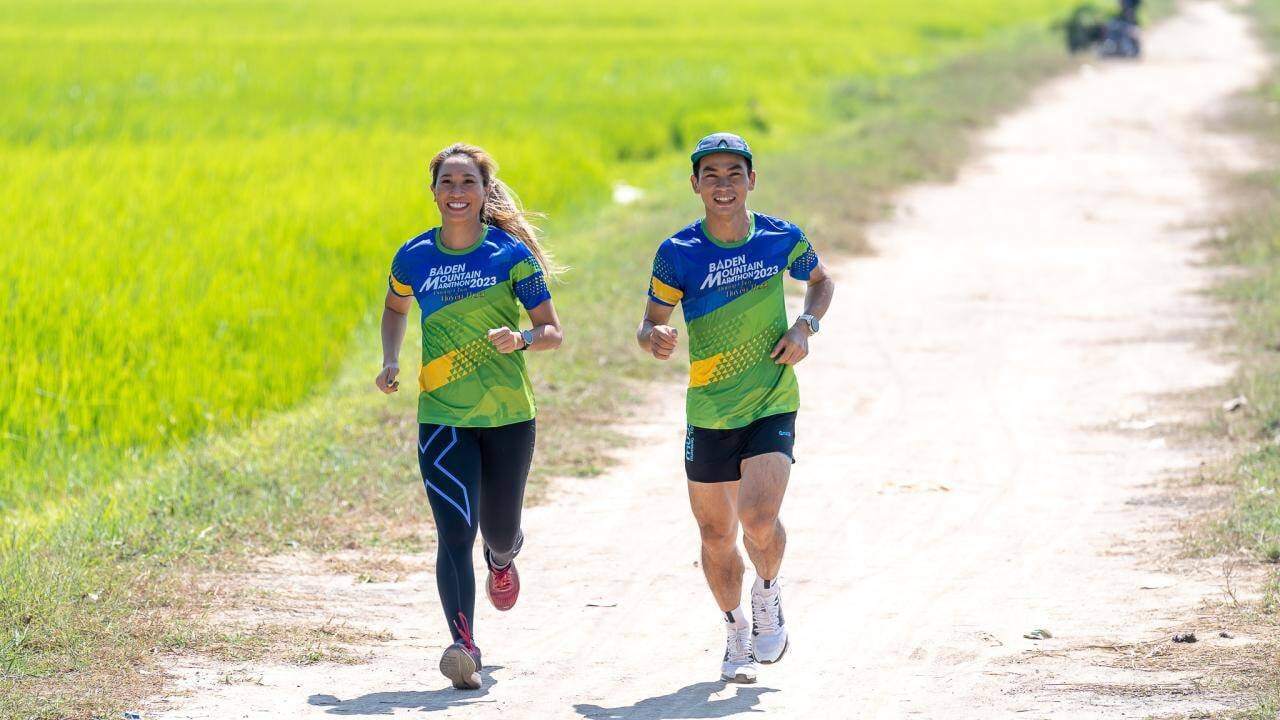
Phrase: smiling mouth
{"type": "Point", "coordinates": [457, 205]}
{"type": "Point", "coordinates": [723, 199]}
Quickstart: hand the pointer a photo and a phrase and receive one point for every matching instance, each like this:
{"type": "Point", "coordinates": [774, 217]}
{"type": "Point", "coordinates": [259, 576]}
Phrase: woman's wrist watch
{"type": "Point", "coordinates": [527, 336]}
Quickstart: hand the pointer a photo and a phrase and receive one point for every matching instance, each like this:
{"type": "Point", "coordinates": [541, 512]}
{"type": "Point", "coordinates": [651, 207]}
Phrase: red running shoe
{"type": "Point", "coordinates": [503, 586]}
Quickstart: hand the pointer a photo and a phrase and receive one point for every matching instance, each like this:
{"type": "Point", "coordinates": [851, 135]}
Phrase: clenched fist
{"type": "Point", "coordinates": [387, 381]}
{"type": "Point", "coordinates": [662, 341]}
{"type": "Point", "coordinates": [506, 340]}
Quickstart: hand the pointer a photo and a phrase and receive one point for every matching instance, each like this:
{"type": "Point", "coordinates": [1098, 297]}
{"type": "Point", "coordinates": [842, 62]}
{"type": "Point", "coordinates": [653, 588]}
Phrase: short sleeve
{"type": "Point", "coordinates": [527, 280]}
{"type": "Point", "coordinates": [398, 279]}
{"type": "Point", "coordinates": [664, 285]}
{"type": "Point", "coordinates": [802, 259]}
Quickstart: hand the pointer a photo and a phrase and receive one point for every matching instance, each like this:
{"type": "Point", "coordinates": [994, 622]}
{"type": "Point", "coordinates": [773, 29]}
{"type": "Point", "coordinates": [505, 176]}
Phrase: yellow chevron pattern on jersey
{"type": "Point", "coordinates": [701, 371]}
{"type": "Point", "coordinates": [455, 364]}
{"type": "Point", "coordinates": [732, 363]}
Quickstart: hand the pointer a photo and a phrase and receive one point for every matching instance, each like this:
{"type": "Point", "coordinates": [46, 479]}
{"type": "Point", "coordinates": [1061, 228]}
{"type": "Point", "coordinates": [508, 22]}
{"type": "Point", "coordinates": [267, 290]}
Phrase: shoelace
{"type": "Point", "coordinates": [764, 612]}
{"type": "Point", "coordinates": [738, 647]}
{"type": "Point", "coordinates": [502, 578]}
{"type": "Point", "coordinates": [465, 631]}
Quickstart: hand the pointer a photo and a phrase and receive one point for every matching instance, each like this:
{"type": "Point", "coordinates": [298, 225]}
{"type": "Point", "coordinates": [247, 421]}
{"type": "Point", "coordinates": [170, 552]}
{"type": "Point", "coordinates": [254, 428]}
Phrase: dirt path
{"type": "Point", "coordinates": [975, 463]}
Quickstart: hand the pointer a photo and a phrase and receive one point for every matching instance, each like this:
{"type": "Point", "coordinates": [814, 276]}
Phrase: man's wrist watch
{"type": "Point", "coordinates": [811, 321]}
{"type": "Point", "coordinates": [527, 335]}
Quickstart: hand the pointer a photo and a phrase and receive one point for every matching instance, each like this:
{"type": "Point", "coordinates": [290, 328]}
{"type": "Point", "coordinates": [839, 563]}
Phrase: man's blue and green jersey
{"type": "Point", "coordinates": [734, 308]}
{"type": "Point", "coordinates": [465, 381]}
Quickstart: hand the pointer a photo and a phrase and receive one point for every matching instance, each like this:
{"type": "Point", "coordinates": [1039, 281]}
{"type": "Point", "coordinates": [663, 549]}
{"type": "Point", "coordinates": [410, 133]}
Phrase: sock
{"type": "Point", "coordinates": [762, 584]}
{"type": "Point", "coordinates": [736, 616]}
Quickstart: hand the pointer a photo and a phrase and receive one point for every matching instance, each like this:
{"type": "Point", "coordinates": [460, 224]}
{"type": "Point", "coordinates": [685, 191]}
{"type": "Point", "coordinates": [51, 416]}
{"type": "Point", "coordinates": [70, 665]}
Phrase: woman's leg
{"type": "Point", "coordinates": [506, 453]}
{"type": "Point", "coordinates": [450, 461]}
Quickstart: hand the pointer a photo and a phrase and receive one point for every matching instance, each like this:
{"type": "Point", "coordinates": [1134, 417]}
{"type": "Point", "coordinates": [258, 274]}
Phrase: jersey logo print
{"type": "Point", "coordinates": [456, 277]}
{"type": "Point", "coordinates": [736, 270]}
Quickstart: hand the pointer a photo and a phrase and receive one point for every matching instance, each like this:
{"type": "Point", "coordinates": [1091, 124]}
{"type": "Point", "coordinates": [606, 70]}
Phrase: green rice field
{"type": "Point", "coordinates": [201, 198]}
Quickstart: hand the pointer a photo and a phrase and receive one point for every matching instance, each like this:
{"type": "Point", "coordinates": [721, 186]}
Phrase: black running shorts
{"type": "Point", "coordinates": [712, 456]}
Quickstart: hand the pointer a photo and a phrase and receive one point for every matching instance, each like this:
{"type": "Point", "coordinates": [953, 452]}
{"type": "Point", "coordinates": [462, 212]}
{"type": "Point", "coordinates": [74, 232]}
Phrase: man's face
{"type": "Point", "coordinates": [723, 182]}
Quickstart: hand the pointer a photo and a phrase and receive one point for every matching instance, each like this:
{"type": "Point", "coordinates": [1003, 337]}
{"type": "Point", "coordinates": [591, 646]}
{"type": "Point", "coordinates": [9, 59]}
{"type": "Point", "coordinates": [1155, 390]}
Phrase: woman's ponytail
{"type": "Point", "coordinates": [502, 206]}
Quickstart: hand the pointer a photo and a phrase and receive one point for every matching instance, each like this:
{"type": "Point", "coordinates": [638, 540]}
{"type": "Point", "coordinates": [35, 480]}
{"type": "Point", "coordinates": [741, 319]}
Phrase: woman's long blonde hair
{"type": "Point", "coordinates": [502, 206]}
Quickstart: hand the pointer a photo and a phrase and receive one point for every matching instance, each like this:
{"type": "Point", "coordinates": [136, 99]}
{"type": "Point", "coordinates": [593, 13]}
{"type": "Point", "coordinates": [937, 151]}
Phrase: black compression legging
{"type": "Point", "coordinates": [474, 478]}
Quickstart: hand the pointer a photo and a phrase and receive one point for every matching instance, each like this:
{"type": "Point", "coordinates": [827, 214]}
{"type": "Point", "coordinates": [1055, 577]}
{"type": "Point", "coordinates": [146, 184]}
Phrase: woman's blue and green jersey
{"type": "Point", "coordinates": [734, 308]}
{"type": "Point", "coordinates": [465, 381]}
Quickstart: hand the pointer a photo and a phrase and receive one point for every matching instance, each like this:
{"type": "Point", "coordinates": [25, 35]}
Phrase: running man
{"type": "Point", "coordinates": [476, 408]}
{"type": "Point", "coordinates": [727, 270]}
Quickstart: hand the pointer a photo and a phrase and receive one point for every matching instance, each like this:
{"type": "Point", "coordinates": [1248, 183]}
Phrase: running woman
{"type": "Point", "coordinates": [475, 406]}
{"type": "Point", "coordinates": [727, 270]}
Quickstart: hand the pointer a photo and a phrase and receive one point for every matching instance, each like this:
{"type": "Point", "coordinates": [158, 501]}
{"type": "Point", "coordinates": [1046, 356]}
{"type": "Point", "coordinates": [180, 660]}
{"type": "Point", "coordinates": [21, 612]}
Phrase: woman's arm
{"type": "Point", "coordinates": [547, 334]}
{"type": "Point", "coordinates": [395, 319]}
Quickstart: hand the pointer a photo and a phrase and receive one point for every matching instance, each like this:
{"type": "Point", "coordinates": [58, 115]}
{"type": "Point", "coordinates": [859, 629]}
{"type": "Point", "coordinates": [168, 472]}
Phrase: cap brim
{"type": "Point", "coordinates": [712, 151]}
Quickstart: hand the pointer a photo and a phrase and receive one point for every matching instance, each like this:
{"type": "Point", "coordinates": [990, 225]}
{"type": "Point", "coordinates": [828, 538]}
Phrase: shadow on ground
{"type": "Point", "coordinates": [694, 701]}
{"type": "Point", "coordinates": [385, 703]}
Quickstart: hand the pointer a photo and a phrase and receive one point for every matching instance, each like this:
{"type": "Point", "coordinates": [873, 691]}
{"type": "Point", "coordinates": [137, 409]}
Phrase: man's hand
{"type": "Point", "coordinates": [387, 381]}
{"type": "Point", "coordinates": [506, 340]}
{"type": "Point", "coordinates": [793, 347]}
{"type": "Point", "coordinates": [662, 341]}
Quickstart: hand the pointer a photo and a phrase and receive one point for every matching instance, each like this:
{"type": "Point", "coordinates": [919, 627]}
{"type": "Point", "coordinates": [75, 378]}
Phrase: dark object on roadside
{"type": "Point", "coordinates": [1129, 11]}
{"type": "Point", "coordinates": [1038, 634]}
{"type": "Point", "coordinates": [1225, 634]}
{"type": "Point", "coordinates": [1184, 637]}
{"type": "Point", "coordinates": [1089, 28]}
{"type": "Point", "coordinates": [1120, 39]}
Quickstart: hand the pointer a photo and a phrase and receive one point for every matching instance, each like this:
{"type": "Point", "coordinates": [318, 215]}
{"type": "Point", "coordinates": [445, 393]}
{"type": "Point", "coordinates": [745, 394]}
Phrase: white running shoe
{"type": "Point", "coordinates": [769, 630]}
{"type": "Point", "coordinates": [738, 666]}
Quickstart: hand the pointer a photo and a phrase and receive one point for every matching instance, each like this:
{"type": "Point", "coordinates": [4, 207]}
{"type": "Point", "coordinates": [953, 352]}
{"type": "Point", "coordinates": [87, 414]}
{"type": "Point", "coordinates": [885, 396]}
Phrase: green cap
{"type": "Point", "coordinates": [722, 142]}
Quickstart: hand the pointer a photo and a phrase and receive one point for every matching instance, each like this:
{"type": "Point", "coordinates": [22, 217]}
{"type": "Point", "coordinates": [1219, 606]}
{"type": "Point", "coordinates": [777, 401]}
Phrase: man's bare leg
{"type": "Point", "coordinates": [760, 492]}
{"type": "Point", "coordinates": [763, 484]}
{"type": "Point", "coordinates": [715, 506]}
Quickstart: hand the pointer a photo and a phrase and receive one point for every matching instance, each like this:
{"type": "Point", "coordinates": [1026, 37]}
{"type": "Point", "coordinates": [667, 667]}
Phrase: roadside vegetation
{"type": "Point", "coordinates": [1247, 532]}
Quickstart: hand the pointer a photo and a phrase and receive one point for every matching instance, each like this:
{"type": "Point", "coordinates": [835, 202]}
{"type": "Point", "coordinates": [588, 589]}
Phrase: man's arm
{"type": "Point", "coordinates": [794, 346]}
{"type": "Point", "coordinates": [654, 335]}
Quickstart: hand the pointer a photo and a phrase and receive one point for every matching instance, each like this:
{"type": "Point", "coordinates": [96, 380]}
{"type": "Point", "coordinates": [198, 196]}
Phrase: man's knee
{"type": "Point", "coordinates": [719, 537]}
{"type": "Point", "coordinates": [759, 524]}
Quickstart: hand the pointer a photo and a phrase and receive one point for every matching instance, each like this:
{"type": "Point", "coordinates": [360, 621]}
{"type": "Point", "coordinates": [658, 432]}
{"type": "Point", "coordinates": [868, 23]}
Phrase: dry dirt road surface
{"type": "Point", "coordinates": [979, 446]}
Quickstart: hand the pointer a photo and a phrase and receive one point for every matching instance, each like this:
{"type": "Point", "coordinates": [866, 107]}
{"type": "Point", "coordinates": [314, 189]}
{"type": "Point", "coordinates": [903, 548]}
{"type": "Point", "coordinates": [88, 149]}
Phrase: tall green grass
{"type": "Point", "coordinates": [200, 199]}
{"type": "Point", "coordinates": [1253, 244]}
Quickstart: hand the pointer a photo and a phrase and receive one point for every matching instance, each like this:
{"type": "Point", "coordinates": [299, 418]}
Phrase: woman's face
{"type": "Point", "coordinates": [460, 189]}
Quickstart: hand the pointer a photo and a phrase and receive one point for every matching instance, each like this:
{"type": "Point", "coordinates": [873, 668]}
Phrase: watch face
{"type": "Point", "coordinates": [528, 337]}
{"type": "Point", "coordinates": [813, 325]}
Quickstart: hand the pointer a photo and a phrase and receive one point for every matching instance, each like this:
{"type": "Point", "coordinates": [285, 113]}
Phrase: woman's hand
{"type": "Point", "coordinates": [506, 340]}
{"type": "Point", "coordinates": [387, 381]}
